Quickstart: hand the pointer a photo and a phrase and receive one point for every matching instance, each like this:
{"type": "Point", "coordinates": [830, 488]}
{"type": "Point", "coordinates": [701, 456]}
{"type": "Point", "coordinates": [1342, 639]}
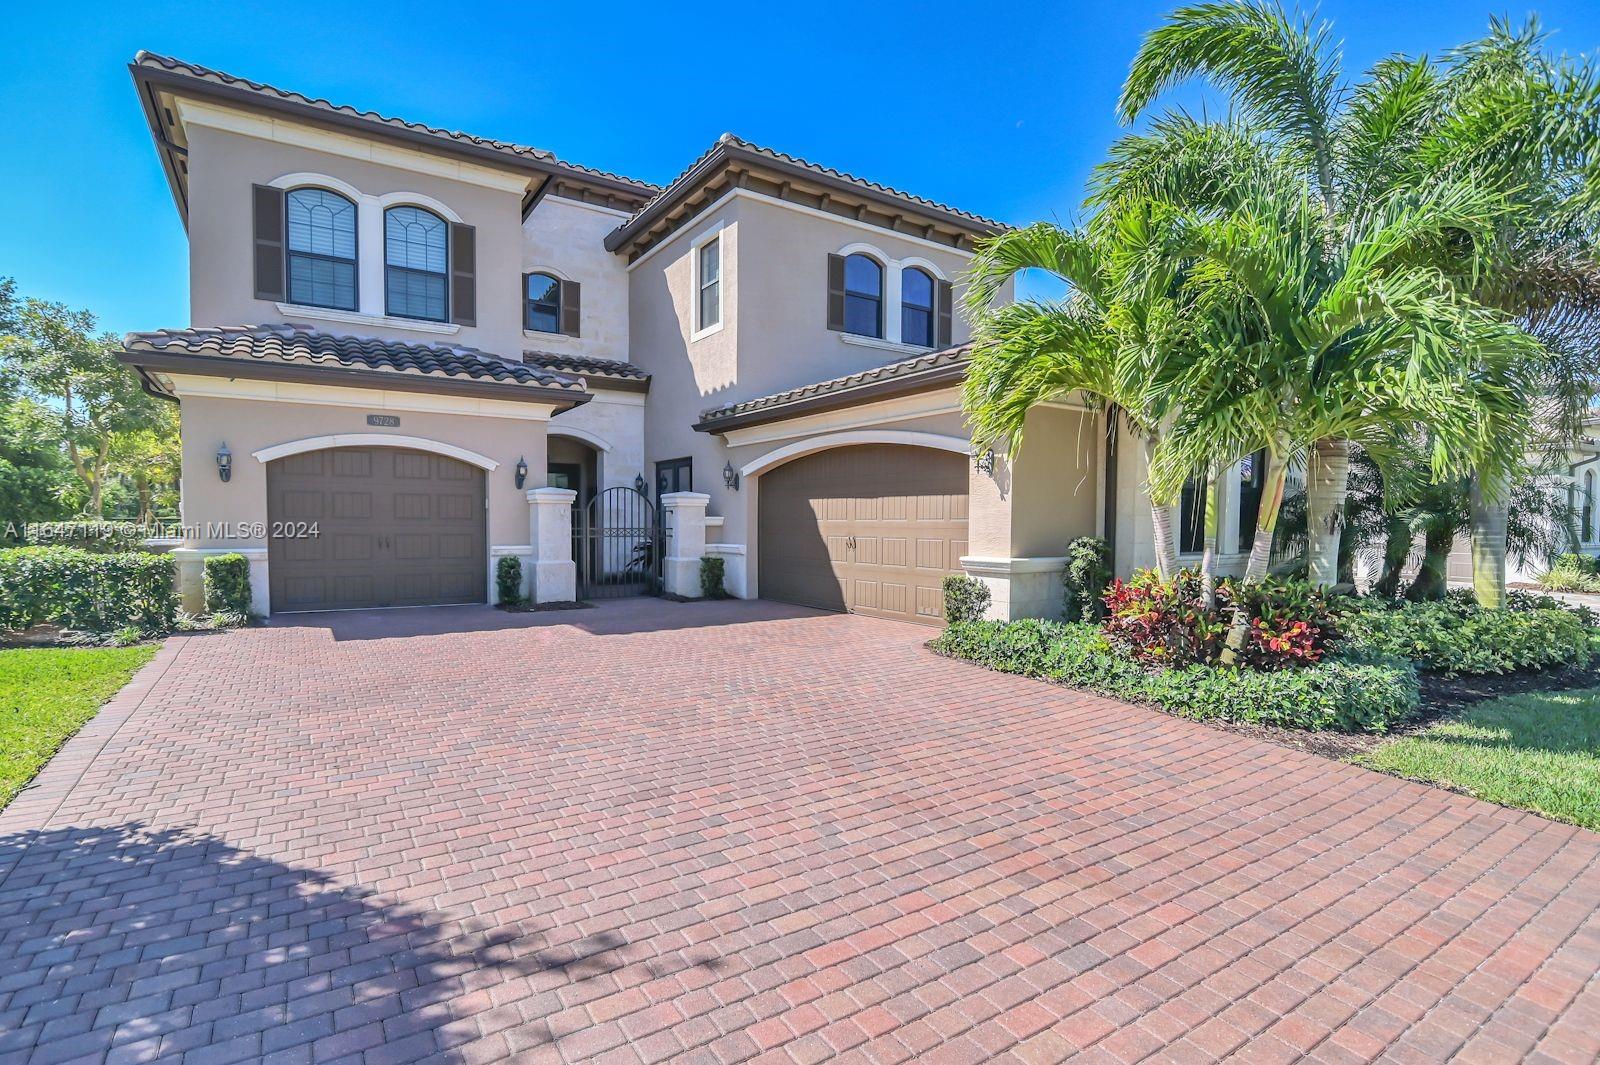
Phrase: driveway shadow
{"type": "Point", "coordinates": [158, 941]}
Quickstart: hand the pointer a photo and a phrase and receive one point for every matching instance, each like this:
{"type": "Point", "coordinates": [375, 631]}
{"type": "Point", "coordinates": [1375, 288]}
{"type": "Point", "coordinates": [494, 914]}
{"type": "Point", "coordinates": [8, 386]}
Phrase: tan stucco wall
{"type": "Point", "coordinates": [567, 239]}
{"type": "Point", "coordinates": [1055, 482]}
{"type": "Point", "coordinates": [223, 166]}
{"type": "Point", "coordinates": [250, 425]}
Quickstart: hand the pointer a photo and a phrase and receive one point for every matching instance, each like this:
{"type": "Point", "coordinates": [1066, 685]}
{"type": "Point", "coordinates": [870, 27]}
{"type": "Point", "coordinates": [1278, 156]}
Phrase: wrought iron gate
{"type": "Point", "coordinates": [619, 546]}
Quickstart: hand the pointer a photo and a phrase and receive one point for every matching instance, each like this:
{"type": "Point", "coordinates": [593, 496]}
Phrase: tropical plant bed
{"type": "Point", "coordinates": [46, 695]}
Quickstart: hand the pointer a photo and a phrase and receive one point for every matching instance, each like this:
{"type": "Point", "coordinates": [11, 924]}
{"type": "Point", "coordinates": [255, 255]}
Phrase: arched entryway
{"type": "Point", "coordinates": [374, 526]}
{"type": "Point", "coordinates": [872, 528]}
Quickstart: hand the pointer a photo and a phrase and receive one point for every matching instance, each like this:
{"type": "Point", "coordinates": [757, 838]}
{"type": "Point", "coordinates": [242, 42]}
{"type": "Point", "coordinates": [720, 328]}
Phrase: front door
{"type": "Point", "coordinates": [674, 475]}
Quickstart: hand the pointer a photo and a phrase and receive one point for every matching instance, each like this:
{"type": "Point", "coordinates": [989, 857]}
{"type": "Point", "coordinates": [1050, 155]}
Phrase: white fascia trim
{"type": "Point", "coordinates": [574, 433]}
{"type": "Point", "coordinates": [325, 314]}
{"type": "Point", "coordinates": [985, 566]}
{"type": "Point", "coordinates": [413, 443]}
{"type": "Point", "coordinates": [789, 452]}
{"type": "Point", "coordinates": [813, 212]}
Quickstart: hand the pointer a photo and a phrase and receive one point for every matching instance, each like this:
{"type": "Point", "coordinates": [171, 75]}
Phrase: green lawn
{"type": "Point", "coordinates": [1535, 752]}
{"type": "Point", "coordinates": [46, 694]}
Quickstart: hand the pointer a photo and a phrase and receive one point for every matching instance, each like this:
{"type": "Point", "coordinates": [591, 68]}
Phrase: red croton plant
{"type": "Point", "coordinates": [1165, 623]}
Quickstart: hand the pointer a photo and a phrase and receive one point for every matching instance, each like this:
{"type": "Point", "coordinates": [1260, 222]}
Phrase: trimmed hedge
{"type": "Point", "coordinates": [1453, 636]}
{"type": "Point", "coordinates": [90, 592]}
{"type": "Point", "coordinates": [508, 580]}
{"type": "Point", "coordinates": [228, 584]}
{"type": "Point", "coordinates": [713, 571]}
{"type": "Point", "coordinates": [965, 598]}
{"type": "Point", "coordinates": [86, 534]}
{"type": "Point", "coordinates": [1341, 694]}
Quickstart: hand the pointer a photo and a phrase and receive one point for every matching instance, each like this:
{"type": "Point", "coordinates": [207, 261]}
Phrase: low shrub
{"type": "Point", "coordinates": [1085, 578]}
{"type": "Point", "coordinates": [1367, 694]}
{"type": "Point", "coordinates": [713, 572]}
{"type": "Point", "coordinates": [227, 583]}
{"type": "Point", "coordinates": [1452, 636]}
{"type": "Point", "coordinates": [965, 598]}
{"type": "Point", "coordinates": [79, 589]}
{"type": "Point", "coordinates": [1164, 622]}
{"type": "Point", "coordinates": [508, 580]}
{"type": "Point", "coordinates": [1572, 573]}
{"type": "Point", "coordinates": [99, 537]}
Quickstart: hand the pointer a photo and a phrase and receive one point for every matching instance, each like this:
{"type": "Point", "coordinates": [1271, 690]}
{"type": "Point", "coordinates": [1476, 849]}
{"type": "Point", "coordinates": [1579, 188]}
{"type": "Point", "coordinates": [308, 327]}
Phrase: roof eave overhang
{"type": "Point", "coordinates": [925, 381]}
{"type": "Point", "coordinates": [149, 362]}
{"type": "Point", "coordinates": [725, 153]}
{"type": "Point", "coordinates": [150, 80]}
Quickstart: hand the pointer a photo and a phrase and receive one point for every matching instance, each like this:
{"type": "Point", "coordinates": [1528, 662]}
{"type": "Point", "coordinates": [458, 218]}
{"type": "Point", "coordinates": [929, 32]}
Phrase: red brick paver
{"type": "Point", "coordinates": [715, 832]}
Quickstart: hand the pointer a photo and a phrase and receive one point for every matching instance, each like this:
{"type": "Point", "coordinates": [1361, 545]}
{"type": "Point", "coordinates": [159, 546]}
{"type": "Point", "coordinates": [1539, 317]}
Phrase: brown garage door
{"type": "Point", "coordinates": [393, 528]}
{"type": "Point", "coordinates": [870, 529]}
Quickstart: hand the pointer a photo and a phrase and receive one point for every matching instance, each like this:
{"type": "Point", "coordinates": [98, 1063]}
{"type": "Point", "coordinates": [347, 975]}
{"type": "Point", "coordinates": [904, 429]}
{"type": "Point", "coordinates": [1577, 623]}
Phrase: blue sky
{"type": "Point", "coordinates": [998, 108]}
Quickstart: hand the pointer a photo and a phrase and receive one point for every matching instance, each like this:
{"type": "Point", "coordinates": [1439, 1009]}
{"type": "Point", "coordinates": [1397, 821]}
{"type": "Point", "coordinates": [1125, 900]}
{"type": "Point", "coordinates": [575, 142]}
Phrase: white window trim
{"type": "Point", "coordinates": [522, 305]}
{"type": "Point", "coordinates": [697, 331]}
{"type": "Point", "coordinates": [893, 292]}
{"type": "Point", "coordinates": [329, 314]}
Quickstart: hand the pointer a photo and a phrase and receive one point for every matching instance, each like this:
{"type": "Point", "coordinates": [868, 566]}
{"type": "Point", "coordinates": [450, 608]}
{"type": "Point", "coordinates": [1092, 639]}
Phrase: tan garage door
{"type": "Point", "coordinates": [393, 528]}
{"type": "Point", "coordinates": [870, 529]}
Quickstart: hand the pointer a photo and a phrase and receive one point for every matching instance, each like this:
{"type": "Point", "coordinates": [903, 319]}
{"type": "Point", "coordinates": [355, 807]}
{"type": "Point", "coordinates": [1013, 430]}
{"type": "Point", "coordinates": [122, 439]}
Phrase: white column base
{"type": "Point", "coordinates": [733, 576]}
{"type": "Point", "coordinates": [521, 552]}
{"type": "Point", "coordinates": [191, 563]}
{"type": "Point", "coordinates": [1020, 587]}
{"type": "Point", "coordinates": [685, 517]}
{"type": "Point", "coordinates": [554, 582]}
{"type": "Point", "coordinates": [552, 574]}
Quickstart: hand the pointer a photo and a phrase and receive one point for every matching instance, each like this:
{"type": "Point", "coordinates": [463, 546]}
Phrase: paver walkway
{"type": "Point", "coordinates": [714, 831]}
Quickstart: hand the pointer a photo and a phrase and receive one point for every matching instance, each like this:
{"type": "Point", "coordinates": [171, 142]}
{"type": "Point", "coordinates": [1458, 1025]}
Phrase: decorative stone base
{"type": "Point", "coordinates": [733, 575]}
{"type": "Point", "coordinates": [191, 562]}
{"type": "Point", "coordinates": [519, 551]}
{"type": "Point", "coordinates": [554, 582]}
{"type": "Point", "coordinates": [1020, 587]}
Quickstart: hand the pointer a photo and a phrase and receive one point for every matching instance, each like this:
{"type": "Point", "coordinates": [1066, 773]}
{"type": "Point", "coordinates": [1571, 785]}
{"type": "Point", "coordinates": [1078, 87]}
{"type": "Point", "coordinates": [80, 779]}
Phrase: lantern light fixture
{"type": "Point", "coordinates": [522, 472]}
{"type": "Point", "coordinates": [730, 476]}
{"type": "Point", "coordinates": [224, 463]}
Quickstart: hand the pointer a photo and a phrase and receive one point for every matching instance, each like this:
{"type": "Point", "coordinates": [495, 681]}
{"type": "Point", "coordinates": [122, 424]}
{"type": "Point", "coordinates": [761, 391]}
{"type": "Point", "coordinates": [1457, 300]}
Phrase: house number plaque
{"type": "Point", "coordinates": [388, 421]}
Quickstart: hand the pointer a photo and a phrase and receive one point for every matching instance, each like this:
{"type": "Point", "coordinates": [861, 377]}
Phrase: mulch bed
{"type": "Point", "coordinates": [1441, 697]}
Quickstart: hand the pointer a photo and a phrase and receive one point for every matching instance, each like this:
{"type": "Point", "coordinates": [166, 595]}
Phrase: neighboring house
{"type": "Point", "coordinates": [441, 350]}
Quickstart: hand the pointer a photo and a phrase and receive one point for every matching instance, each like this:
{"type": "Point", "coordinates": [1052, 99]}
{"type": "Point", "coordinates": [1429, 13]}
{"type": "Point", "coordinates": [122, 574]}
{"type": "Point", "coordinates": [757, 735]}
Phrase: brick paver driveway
{"type": "Point", "coordinates": [713, 831]}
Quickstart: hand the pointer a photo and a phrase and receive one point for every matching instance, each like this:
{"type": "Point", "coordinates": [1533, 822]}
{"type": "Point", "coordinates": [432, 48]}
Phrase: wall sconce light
{"type": "Point", "coordinates": [522, 472]}
{"type": "Point", "coordinates": [985, 462]}
{"type": "Point", "coordinates": [224, 463]}
{"type": "Point", "coordinates": [730, 476]}
{"type": "Point", "coordinates": [638, 483]}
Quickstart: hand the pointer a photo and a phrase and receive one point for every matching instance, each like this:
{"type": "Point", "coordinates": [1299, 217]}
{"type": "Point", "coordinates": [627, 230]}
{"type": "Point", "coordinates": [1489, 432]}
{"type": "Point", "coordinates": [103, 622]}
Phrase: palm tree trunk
{"type": "Point", "coordinates": [1489, 513]}
{"type": "Point", "coordinates": [1208, 557]}
{"type": "Point", "coordinates": [1396, 549]}
{"type": "Point", "coordinates": [1429, 582]}
{"type": "Point", "coordinates": [1327, 482]}
{"type": "Point", "coordinates": [1161, 521]}
{"type": "Point", "coordinates": [1261, 547]}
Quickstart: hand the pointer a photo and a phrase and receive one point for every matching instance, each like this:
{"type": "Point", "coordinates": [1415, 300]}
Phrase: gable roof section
{"type": "Point", "coordinates": [596, 373]}
{"type": "Point", "coordinates": [155, 74]}
{"type": "Point", "coordinates": [296, 353]}
{"type": "Point", "coordinates": [936, 369]}
{"type": "Point", "coordinates": [813, 184]}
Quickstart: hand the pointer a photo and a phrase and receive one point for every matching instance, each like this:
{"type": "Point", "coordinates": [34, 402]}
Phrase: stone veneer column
{"type": "Point", "coordinates": [555, 574]}
{"type": "Point", "coordinates": [1020, 587]}
{"type": "Point", "coordinates": [684, 517]}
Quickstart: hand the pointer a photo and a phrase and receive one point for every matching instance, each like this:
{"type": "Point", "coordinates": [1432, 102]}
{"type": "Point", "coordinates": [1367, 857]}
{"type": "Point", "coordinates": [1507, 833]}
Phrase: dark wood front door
{"type": "Point", "coordinates": [357, 527]}
{"type": "Point", "coordinates": [872, 529]}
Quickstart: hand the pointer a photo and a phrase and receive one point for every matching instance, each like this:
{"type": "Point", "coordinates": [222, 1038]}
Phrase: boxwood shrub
{"type": "Point", "coordinates": [1453, 636]}
{"type": "Point", "coordinates": [965, 598]}
{"type": "Point", "coordinates": [228, 584]}
{"type": "Point", "coordinates": [508, 580]}
{"type": "Point", "coordinates": [77, 589]}
{"type": "Point", "coordinates": [713, 576]}
{"type": "Point", "coordinates": [1346, 694]}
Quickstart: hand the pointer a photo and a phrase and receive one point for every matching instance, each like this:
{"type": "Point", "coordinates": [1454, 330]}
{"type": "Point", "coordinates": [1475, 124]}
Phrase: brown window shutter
{"type": "Point", "coordinates": [836, 292]}
{"type": "Point", "coordinates": [522, 301]}
{"type": "Point", "coordinates": [571, 307]}
{"type": "Point", "coordinates": [267, 210]}
{"type": "Point", "coordinates": [463, 274]}
{"type": "Point", "coordinates": [941, 331]}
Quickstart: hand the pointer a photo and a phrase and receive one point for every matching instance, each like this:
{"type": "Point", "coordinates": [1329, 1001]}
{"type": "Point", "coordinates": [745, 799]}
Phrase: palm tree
{"type": "Point", "coordinates": [1105, 340]}
{"type": "Point", "coordinates": [1498, 114]}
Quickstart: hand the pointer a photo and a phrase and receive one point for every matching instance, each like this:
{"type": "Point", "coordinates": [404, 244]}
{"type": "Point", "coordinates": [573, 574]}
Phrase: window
{"type": "Point", "coordinates": [710, 283]}
{"type": "Point", "coordinates": [543, 304]}
{"type": "Point", "coordinates": [863, 296]}
{"type": "Point", "coordinates": [1252, 479]}
{"type": "Point", "coordinates": [1192, 517]}
{"type": "Point", "coordinates": [1588, 505]}
{"type": "Point", "coordinates": [916, 307]}
{"type": "Point", "coordinates": [416, 266]}
{"type": "Point", "coordinates": [322, 249]}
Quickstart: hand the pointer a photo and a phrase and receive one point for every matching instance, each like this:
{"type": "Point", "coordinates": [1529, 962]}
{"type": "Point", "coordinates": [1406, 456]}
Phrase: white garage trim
{"type": "Point", "coordinates": [582, 435]}
{"type": "Point", "coordinates": [799, 448]}
{"type": "Point", "coordinates": [415, 443]}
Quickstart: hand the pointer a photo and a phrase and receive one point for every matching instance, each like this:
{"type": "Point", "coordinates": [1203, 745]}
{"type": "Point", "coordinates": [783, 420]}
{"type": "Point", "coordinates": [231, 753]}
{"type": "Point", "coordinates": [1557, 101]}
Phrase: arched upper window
{"type": "Point", "coordinates": [1588, 505]}
{"type": "Point", "coordinates": [321, 249]}
{"type": "Point", "coordinates": [863, 296]}
{"type": "Point", "coordinates": [416, 264]}
{"type": "Point", "coordinates": [916, 307]}
{"type": "Point", "coordinates": [543, 302]}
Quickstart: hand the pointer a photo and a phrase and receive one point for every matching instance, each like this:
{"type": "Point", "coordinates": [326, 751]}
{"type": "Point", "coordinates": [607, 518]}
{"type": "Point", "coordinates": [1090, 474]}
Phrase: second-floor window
{"type": "Point", "coordinates": [710, 283]}
{"type": "Point", "coordinates": [321, 249]}
{"type": "Point", "coordinates": [416, 264]}
{"type": "Point", "coordinates": [543, 304]}
{"type": "Point", "coordinates": [863, 296]}
{"type": "Point", "coordinates": [916, 307]}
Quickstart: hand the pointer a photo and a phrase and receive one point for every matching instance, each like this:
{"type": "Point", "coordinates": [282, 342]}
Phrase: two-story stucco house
{"type": "Point", "coordinates": [414, 352]}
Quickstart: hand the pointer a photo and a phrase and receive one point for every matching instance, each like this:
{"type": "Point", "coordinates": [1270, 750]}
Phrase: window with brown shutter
{"type": "Point", "coordinates": [463, 274]}
{"type": "Point", "coordinates": [268, 221]}
{"type": "Point", "coordinates": [946, 301]}
{"type": "Point", "coordinates": [836, 293]}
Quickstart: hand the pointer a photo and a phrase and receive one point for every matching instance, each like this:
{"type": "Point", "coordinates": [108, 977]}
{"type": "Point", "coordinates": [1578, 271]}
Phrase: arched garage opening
{"type": "Point", "coordinates": [870, 527]}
